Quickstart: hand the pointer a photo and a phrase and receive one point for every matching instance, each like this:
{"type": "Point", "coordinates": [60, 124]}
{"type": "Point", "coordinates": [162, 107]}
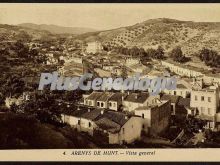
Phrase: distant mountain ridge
{"type": "Point", "coordinates": [55, 29]}
{"type": "Point", "coordinates": [168, 33]}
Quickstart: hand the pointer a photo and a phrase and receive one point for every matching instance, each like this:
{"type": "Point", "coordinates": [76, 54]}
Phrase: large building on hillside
{"type": "Point", "coordinates": [94, 47]}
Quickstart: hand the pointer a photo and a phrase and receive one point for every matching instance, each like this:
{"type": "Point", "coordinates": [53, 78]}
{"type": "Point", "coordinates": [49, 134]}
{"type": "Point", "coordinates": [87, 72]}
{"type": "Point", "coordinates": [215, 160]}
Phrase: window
{"type": "Point", "coordinates": [78, 122]}
{"type": "Point", "coordinates": [114, 105]}
{"type": "Point", "coordinates": [142, 115]}
{"type": "Point", "coordinates": [98, 104]}
{"type": "Point", "coordinates": [143, 126]}
{"type": "Point", "coordinates": [90, 124]}
{"type": "Point", "coordinates": [196, 98]}
{"type": "Point", "coordinates": [86, 102]}
{"type": "Point", "coordinates": [110, 104]}
{"type": "Point", "coordinates": [174, 92]}
{"type": "Point", "coordinates": [209, 99]}
{"type": "Point", "coordinates": [202, 98]}
{"type": "Point", "coordinates": [209, 111]}
{"type": "Point", "coordinates": [123, 130]}
{"type": "Point", "coordinates": [102, 105]}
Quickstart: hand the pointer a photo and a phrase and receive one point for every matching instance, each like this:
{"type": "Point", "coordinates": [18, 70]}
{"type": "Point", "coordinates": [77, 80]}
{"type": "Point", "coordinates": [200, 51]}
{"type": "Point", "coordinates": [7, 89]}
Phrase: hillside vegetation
{"type": "Point", "coordinates": [168, 33]}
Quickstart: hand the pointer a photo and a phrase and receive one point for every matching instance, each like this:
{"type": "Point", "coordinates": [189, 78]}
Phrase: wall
{"type": "Point", "coordinates": [160, 117]}
{"type": "Point", "coordinates": [205, 107]}
{"type": "Point", "coordinates": [132, 130]}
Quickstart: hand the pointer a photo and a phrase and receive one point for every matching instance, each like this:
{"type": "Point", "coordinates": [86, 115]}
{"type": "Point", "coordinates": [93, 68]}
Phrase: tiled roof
{"type": "Point", "coordinates": [117, 117]}
{"type": "Point", "coordinates": [94, 95]}
{"type": "Point", "coordinates": [117, 97]}
{"type": "Point", "coordinates": [172, 98]}
{"type": "Point", "coordinates": [92, 115]}
{"type": "Point", "coordinates": [137, 97]}
{"type": "Point", "coordinates": [105, 96]}
{"type": "Point", "coordinates": [107, 124]}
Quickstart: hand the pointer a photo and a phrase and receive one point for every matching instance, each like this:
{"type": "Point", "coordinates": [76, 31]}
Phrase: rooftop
{"type": "Point", "coordinates": [172, 98]}
{"type": "Point", "coordinates": [94, 95]}
{"type": "Point", "coordinates": [137, 97]}
{"type": "Point", "coordinates": [105, 96]}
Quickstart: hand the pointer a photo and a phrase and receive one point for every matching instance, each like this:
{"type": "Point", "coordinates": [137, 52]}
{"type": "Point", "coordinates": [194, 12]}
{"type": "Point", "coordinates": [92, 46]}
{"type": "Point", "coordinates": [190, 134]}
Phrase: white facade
{"type": "Point", "coordinates": [93, 47]}
{"type": "Point", "coordinates": [131, 106]}
{"type": "Point", "coordinates": [206, 103]}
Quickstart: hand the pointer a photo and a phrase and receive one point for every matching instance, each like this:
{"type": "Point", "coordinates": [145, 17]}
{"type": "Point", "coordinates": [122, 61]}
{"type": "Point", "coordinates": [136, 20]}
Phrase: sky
{"type": "Point", "coordinates": [104, 16]}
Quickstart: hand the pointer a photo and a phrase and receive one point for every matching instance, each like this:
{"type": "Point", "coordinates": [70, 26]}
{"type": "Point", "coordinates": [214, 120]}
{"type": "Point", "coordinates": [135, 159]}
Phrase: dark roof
{"type": "Point", "coordinates": [94, 95]}
{"type": "Point", "coordinates": [181, 86]}
{"type": "Point", "coordinates": [117, 97]}
{"type": "Point", "coordinates": [92, 115]}
{"type": "Point", "coordinates": [105, 96]}
{"type": "Point", "coordinates": [107, 124]}
{"type": "Point", "coordinates": [137, 97]}
{"type": "Point", "coordinates": [75, 113]}
{"type": "Point", "coordinates": [184, 102]}
{"type": "Point", "coordinates": [172, 98]}
{"type": "Point", "coordinates": [117, 117]}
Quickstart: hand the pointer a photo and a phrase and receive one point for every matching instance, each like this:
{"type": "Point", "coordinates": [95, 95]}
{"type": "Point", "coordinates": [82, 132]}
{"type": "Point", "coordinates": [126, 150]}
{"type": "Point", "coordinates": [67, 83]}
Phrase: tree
{"type": "Point", "coordinates": [159, 53]}
{"type": "Point", "coordinates": [178, 55]}
{"type": "Point", "coordinates": [124, 74]}
{"type": "Point", "coordinates": [210, 57]}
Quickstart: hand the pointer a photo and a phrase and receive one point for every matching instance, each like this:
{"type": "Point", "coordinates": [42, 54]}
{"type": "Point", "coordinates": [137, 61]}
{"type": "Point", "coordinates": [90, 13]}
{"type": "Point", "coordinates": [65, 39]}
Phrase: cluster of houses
{"type": "Point", "coordinates": [203, 92]}
{"type": "Point", "coordinates": [119, 117]}
{"type": "Point", "coordinates": [190, 71]}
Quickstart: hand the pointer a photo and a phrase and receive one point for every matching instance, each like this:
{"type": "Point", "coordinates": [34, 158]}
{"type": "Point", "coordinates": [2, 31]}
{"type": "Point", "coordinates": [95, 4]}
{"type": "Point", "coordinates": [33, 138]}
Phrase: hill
{"type": "Point", "coordinates": [10, 33]}
{"type": "Point", "coordinates": [58, 29]}
{"type": "Point", "coordinates": [169, 33]}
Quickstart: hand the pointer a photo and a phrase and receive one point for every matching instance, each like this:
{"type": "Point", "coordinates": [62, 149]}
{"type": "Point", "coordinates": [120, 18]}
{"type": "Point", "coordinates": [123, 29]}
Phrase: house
{"type": "Point", "coordinates": [102, 101]}
{"type": "Point", "coordinates": [115, 101]}
{"type": "Point", "coordinates": [183, 108]}
{"type": "Point", "coordinates": [114, 127]}
{"type": "Point", "coordinates": [155, 118]}
{"type": "Point", "coordinates": [206, 103]}
{"type": "Point", "coordinates": [117, 128]}
{"type": "Point", "coordinates": [94, 47]}
{"type": "Point", "coordinates": [173, 101]}
{"type": "Point", "coordinates": [92, 98]}
{"type": "Point", "coordinates": [181, 90]}
{"type": "Point", "coordinates": [82, 120]}
{"type": "Point", "coordinates": [135, 100]}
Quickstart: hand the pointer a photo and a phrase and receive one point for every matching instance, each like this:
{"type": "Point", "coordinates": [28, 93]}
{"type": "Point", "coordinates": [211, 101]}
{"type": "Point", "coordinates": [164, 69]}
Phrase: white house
{"type": "Point", "coordinates": [91, 100]}
{"type": "Point", "coordinates": [206, 103]}
{"type": "Point", "coordinates": [94, 47]}
{"type": "Point", "coordinates": [135, 100]}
